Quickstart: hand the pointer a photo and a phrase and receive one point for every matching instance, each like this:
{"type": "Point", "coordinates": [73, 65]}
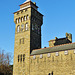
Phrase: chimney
{"type": "Point", "coordinates": [69, 36]}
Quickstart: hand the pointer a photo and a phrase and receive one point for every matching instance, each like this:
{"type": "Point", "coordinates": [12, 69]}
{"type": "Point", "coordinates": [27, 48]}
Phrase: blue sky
{"type": "Point", "coordinates": [59, 18]}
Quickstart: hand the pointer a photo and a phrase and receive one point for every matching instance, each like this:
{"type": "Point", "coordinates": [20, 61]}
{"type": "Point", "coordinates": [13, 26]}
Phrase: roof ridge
{"type": "Point", "coordinates": [55, 46]}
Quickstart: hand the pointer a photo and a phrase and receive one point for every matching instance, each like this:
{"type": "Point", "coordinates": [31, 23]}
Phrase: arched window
{"type": "Point", "coordinates": [16, 20]}
{"type": "Point", "coordinates": [18, 28]}
{"type": "Point", "coordinates": [22, 27]}
{"type": "Point", "coordinates": [24, 18]}
{"type": "Point", "coordinates": [19, 20]}
{"type": "Point", "coordinates": [32, 27]}
{"type": "Point", "coordinates": [26, 26]}
{"type": "Point", "coordinates": [27, 17]}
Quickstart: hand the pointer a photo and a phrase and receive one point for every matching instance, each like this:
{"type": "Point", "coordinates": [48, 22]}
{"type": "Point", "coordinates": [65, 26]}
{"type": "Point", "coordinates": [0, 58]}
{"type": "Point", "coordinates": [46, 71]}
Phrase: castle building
{"type": "Point", "coordinates": [29, 57]}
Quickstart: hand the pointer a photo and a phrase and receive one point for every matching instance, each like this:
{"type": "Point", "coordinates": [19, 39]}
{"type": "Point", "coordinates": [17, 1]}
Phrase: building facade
{"type": "Point", "coordinates": [29, 58]}
{"type": "Point", "coordinates": [28, 22]}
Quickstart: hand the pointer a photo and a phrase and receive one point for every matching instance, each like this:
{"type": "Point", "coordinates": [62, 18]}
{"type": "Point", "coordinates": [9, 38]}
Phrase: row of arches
{"type": "Point", "coordinates": [18, 20]}
{"type": "Point", "coordinates": [23, 27]}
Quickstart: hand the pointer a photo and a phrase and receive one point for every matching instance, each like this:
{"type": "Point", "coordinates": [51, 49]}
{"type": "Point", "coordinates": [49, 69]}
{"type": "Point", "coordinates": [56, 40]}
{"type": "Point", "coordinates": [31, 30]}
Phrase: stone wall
{"type": "Point", "coordinates": [60, 63]}
{"type": "Point", "coordinates": [22, 44]}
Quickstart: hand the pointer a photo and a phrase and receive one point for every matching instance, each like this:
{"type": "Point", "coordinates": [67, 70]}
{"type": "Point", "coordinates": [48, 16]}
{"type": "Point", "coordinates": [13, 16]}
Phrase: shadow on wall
{"type": "Point", "coordinates": [1, 73]}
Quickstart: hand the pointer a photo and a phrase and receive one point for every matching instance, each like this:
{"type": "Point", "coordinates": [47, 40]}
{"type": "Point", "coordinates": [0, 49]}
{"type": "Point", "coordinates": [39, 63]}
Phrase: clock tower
{"type": "Point", "coordinates": [28, 21]}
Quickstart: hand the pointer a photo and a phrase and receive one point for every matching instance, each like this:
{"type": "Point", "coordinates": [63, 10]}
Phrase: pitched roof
{"type": "Point", "coordinates": [54, 49]}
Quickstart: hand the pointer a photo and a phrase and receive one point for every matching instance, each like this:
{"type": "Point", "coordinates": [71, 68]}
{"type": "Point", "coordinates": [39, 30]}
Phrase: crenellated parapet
{"type": "Point", "coordinates": [53, 62]}
{"type": "Point", "coordinates": [60, 41]}
{"type": "Point", "coordinates": [54, 56]}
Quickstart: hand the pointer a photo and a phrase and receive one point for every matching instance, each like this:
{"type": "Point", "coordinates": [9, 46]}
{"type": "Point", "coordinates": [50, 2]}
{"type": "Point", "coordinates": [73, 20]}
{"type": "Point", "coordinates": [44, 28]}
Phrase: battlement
{"type": "Point", "coordinates": [53, 62]}
{"type": "Point", "coordinates": [54, 55]}
{"type": "Point", "coordinates": [59, 41]}
{"type": "Point", "coordinates": [62, 52]}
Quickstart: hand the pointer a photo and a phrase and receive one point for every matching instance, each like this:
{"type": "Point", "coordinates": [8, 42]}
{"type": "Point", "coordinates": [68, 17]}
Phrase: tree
{"type": "Point", "coordinates": [5, 60]}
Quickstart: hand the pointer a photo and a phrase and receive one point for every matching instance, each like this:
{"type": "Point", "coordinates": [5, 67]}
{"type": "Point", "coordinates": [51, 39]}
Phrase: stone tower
{"type": "Point", "coordinates": [27, 36]}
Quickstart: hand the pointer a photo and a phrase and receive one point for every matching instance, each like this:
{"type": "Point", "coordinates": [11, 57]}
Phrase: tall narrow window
{"type": "Point", "coordinates": [19, 20]}
{"type": "Point", "coordinates": [26, 26]}
{"type": "Point", "coordinates": [22, 27]}
{"type": "Point", "coordinates": [52, 72]}
{"type": "Point", "coordinates": [18, 28]}
{"type": "Point", "coordinates": [49, 74]}
{"type": "Point", "coordinates": [18, 58]}
{"type": "Point", "coordinates": [20, 41]}
{"type": "Point", "coordinates": [16, 20]}
{"type": "Point", "coordinates": [23, 40]}
{"type": "Point", "coordinates": [33, 27]}
{"type": "Point", "coordinates": [27, 17]}
{"type": "Point", "coordinates": [38, 30]}
{"type": "Point", "coordinates": [23, 57]}
{"type": "Point", "coordinates": [24, 18]}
